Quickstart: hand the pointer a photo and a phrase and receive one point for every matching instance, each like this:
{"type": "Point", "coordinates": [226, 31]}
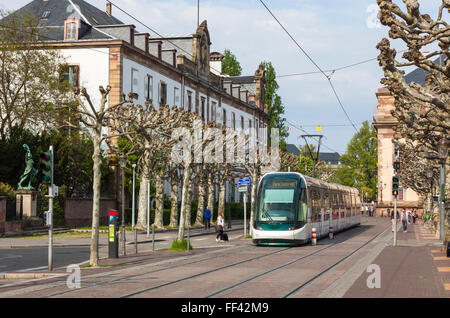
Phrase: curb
{"type": "Point", "coordinates": [30, 275]}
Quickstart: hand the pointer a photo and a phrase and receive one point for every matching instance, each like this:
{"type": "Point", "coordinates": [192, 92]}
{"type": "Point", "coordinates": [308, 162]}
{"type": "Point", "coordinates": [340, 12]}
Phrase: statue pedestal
{"type": "Point", "coordinates": [26, 200]}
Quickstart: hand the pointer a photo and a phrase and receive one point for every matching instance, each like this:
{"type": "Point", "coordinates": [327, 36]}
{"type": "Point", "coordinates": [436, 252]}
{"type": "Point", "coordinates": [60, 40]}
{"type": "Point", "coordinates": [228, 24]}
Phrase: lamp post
{"type": "Point", "coordinates": [443, 152]}
{"type": "Point", "coordinates": [123, 163]}
{"type": "Point", "coordinates": [132, 210]}
{"type": "Point", "coordinates": [430, 177]}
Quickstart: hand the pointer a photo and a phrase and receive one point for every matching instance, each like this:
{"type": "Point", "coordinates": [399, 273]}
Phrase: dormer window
{"type": "Point", "coordinates": [71, 29]}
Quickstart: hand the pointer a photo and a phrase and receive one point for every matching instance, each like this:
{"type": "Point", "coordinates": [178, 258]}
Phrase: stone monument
{"type": "Point", "coordinates": [26, 196]}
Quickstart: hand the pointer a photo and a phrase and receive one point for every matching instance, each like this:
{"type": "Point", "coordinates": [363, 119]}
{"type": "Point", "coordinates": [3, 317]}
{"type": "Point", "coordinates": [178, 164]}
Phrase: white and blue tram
{"type": "Point", "coordinates": [289, 205]}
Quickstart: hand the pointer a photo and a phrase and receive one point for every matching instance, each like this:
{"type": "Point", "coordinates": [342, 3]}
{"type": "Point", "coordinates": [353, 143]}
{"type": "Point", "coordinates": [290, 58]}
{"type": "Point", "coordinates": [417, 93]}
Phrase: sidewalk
{"type": "Point", "coordinates": [415, 268]}
{"type": "Point", "coordinates": [31, 242]}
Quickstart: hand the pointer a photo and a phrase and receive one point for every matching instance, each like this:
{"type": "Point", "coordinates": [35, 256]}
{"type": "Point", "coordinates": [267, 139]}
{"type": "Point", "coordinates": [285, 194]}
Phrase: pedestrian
{"type": "Point", "coordinates": [393, 221]}
{"type": "Point", "coordinates": [389, 213]}
{"type": "Point", "coordinates": [404, 220]}
{"type": "Point", "coordinates": [207, 218]}
{"type": "Point", "coordinates": [219, 227]}
{"type": "Point", "coordinates": [414, 215]}
{"type": "Point", "coordinates": [409, 216]}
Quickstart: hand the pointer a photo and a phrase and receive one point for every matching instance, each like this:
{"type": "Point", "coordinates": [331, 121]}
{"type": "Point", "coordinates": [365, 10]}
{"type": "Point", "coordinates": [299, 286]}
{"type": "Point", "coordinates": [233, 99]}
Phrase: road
{"type": "Point", "coordinates": [236, 269]}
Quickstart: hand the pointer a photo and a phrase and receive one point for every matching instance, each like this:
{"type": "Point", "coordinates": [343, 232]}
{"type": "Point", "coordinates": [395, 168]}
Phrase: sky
{"type": "Point", "coordinates": [333, 33]}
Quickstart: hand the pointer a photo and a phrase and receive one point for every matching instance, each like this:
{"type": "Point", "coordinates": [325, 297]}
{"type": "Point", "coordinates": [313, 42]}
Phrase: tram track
{"type": "Point", "coordinates": [269, 271]}
{"type": "Point", "coordinates": [308, 282]}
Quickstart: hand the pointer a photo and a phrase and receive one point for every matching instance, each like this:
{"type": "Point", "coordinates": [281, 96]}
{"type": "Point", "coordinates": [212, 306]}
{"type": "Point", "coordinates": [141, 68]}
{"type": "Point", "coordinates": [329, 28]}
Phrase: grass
{"type": "Point", "coordinates": [180, 246]}
{"type": "Point", "coordinates": [248, 237]}
{"type": "Point", "coordinates": [62, 235]}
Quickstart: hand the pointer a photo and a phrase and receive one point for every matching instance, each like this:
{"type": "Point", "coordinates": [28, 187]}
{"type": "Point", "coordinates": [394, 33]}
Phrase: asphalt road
{"type": "Point", "coordinates": [26, 259]}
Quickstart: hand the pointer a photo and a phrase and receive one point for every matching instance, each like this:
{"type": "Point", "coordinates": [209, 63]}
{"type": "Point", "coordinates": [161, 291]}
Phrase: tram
{"type": "Point", "coordinates": [290, 205]}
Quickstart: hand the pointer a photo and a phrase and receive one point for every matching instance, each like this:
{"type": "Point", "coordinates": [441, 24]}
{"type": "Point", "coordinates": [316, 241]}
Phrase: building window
{"type": "Point", "coordinates": [257, 128]}
{"type": "Point", "coordinates": [134, 81]}
{"type": "Point", "coordinates": [203, 108]}
{"type": "Point", "coordinates": [176, 96]}
{"type": "Point", "coordinates": [71, 75]}
{"type": "Point", "coordinates": [71, 29]}
{"type": "Point", "coordinates": [162, 93]}
{"type": "Point", "coordinates": [249, 124]}
{"type": "Point", "coordinates": [213, 111]}
{"type": "Point", "coordinates": [224, 117]}
{"type": "Point", "coordinates": [242, 122]}
{"type": "Point", "coordinates": [148, 87]}
{"type": "Point", "coordinates": [189, 101]}
{"type": "Point", "coordinates": [233, 121]}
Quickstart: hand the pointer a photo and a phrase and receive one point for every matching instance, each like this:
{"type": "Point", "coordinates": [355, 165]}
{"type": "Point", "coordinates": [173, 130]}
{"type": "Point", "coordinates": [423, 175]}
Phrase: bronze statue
{"type": "Point", "coordinates": [30, 171]}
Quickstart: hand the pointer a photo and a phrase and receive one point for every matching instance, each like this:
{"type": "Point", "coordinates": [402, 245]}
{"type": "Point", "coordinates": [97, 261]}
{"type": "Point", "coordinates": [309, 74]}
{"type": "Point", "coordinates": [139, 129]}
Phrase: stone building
{"type": "Point", "coordinates": [176, 70]}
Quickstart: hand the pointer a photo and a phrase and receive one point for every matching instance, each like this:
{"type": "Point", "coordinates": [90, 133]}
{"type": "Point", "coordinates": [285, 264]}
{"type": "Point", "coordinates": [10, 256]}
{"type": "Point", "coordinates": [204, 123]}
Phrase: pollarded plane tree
{"type": "Point", "coordinates": [422, 110]}
{"type": "Point", "coordinates": [148, 130]}
{"type": "Point", "coordinates": [93, 121]}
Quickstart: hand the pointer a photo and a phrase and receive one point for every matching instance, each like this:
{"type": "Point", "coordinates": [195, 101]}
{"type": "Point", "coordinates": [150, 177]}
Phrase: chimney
{"type": "Point", "coordinates": [108, 8]}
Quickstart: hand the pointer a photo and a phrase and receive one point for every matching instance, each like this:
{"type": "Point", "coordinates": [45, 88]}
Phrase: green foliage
{"type": "Point", "coordinates": [180, 246]}
{"type": "Point", "coordinates": [360, 162]}
{"type": "Point", "coordinates": [275, 106]}
{"type": "Point", "coordinates": [73, 159]}
{"type": "Point", "coordinates": [230, 64]}
{"type": "Point", "coordinates": [7, 190]}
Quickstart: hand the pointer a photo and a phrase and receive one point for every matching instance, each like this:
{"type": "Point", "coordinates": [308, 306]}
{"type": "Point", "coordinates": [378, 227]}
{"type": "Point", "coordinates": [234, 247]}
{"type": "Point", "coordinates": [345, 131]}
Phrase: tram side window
{"type": "Point", "coordinates": [335, 205]}
{"type": "Point", "coordinates": [315, 205]}
{"type": "Point", "coordinates": [326, 204]}
{"type": "Point", "coordinates": [302, 206]}
{"type": "Point", "coordinates": [348, 204]}
{"type": "Point", "coordinates": [341, 204]}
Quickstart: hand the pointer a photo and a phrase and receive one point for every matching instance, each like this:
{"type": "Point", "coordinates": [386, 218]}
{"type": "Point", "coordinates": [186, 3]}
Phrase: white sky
{"type": "Point", "coordinates": [333, 33]}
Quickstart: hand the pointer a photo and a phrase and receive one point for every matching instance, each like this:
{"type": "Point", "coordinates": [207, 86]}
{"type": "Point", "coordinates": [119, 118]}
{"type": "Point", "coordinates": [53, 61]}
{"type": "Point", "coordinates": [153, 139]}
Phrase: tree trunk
{"type": "Point", "coordinates": [142, 204]}
{"type": "Point", "coordinates": [221, 209]}
{"type": "Point", "coordinates": [184, 198]}
{"type": "Point", "coordinates": [211, 196]}
{"type": "Point", "coordinates": [253, 201]}
{"type": "Point", "coordinates": [96, 157]}
{"type": "Point", "coordinates": [159, 197]}
{"type": "Point", "coordinates": [188, 207]}
{"type": "Point", "coordinates": [174, 204]}
{"type": "Point", "coordinates": [201, 204]}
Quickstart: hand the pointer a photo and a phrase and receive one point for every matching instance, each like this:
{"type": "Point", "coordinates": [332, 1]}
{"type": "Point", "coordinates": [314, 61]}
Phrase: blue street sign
{"type": "Point", "coordinates": [244, 182]}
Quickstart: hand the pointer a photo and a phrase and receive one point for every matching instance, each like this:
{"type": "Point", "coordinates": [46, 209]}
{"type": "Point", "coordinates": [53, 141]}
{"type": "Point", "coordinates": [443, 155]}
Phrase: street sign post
{"type": "Point", "coordinates": [244, 190]}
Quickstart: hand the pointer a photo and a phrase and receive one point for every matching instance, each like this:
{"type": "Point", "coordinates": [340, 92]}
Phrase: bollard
{"type": "Point", "coordinates": [153, 237]}
{"type": "Point", "coordinates": [314, 238]}
{"type": "Point", "coordinates": [331, 234]}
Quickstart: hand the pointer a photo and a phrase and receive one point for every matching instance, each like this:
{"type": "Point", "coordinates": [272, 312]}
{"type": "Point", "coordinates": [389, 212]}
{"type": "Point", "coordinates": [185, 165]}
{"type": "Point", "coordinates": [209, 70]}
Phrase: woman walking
{"type": "Point", "coordinates": [219, 227]}
{"type": "Point", "coordinates": [404, 220]}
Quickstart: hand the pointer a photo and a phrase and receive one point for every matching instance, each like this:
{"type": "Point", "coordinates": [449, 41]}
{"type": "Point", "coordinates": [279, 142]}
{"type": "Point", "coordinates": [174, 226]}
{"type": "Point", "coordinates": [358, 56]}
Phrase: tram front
{"type": "Point", "coordinates": [280, 209]}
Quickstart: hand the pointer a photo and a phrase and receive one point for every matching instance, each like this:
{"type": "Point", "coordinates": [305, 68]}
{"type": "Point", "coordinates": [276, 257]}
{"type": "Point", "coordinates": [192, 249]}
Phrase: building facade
{"type": "Point", "coordinates": [178, 70]}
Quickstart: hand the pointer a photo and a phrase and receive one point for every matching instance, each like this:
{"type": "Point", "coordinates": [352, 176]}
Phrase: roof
{"type": "Point", "coordinates": [291, 148]}
{"type": "Point", "coordinates": [419, 74]}
{"type": "Point", "coordinates": [330, 157]}
{"type": "Point", "coordinates": [59, 10]}
{"type": "Point", "coordinates": [241, 79]}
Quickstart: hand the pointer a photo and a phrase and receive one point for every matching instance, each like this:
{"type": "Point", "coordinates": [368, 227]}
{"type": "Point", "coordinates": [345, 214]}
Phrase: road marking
{"type": "Point", "coordinates": [443, 258]}
{"type": "Point", "coordinates": [11, 256]}
{"type": "Point", "coordinates": [443, 269]}
{"type": "Point", "coordinates": [447, 286]}
{"type": "Point", "coordinates": [201, 239]}
{"type": "Point", "coordinates": [32, 269]}
{"type": "Point", "coordinates": [436, 251]}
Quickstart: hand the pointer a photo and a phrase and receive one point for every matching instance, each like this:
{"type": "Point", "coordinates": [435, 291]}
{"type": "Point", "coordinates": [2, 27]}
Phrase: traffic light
{"type": "Point", "coordinates": [46, 166]}
{"type": "Point", "coordinates": [396, 165]}
{"type": "Point", "coordinates": [395, 181]}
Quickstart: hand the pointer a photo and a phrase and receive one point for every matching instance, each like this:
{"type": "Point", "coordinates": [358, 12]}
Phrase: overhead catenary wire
{"type": "Point", "coordinates": [328, 77]}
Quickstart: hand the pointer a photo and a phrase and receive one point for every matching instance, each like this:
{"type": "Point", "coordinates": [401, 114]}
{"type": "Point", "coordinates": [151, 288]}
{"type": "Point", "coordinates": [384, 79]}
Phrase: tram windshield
{"type": "Point", "coordinates": [278, 199]}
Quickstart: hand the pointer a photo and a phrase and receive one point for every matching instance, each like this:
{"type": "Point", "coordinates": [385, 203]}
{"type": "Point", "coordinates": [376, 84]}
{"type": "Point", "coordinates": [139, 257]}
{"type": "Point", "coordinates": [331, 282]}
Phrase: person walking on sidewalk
{"type": "Point", "coordinates": [219, 227]}
{"type": "Point", "coordinates": [393, 221]}
{"type": "Point", "coordinates": [207, 218]}
{"type": "Point", "coordinates": [404, 220]}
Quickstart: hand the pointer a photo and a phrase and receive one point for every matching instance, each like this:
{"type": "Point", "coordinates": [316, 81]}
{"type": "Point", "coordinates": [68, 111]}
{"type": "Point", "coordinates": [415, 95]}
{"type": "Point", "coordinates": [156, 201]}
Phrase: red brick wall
{"type": "Point", "coordinates": [78, 212]}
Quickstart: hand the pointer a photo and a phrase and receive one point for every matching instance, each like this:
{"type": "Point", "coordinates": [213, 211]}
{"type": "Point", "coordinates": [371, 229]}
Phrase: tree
{"type": "Point", "coordinates": [30, 83]}
{"type": "Point", "coordinates": [422, 110]}
{"type": "Point", "coordinates": [275, 106]}
{"type": "Point", "coordinates": [359, 163]}
{"type": "Point", "coordinates": [93, 121]}
{"type": "Point", "coordinates": [230, 64]}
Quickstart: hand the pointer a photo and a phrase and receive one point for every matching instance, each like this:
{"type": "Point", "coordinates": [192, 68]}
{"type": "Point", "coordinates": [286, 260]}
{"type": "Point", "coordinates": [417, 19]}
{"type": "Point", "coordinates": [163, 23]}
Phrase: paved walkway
{"type": "Point", "coordinates": [415, 268]}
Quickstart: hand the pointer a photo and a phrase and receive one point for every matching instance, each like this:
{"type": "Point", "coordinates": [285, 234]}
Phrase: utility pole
{"type": "Point", "coordinates": [310, 152]}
